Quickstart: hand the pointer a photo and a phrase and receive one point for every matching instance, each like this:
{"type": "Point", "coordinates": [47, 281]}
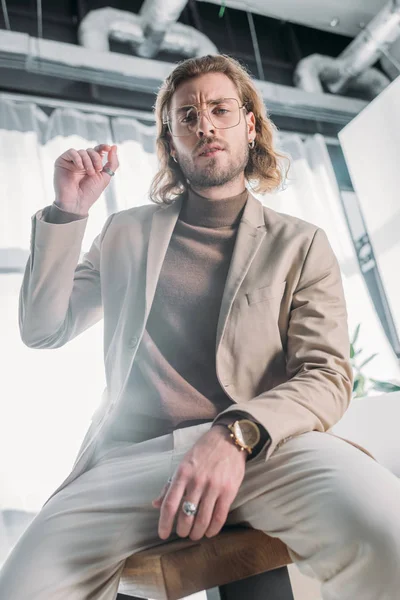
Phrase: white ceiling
{"type": "Point", "coordinates": [352, 15]}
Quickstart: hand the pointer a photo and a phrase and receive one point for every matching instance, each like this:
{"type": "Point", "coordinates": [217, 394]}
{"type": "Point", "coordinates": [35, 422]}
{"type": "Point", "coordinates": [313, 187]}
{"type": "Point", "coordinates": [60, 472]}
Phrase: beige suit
{"type": "Point", "coordinates": [282, 351]}
{"type": "Point", "coordinates": [282, 354]}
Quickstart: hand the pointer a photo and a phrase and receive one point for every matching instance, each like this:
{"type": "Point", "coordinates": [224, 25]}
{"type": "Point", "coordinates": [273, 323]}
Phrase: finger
{"type": "Point", "coordinates": [87, 162]}
{"type": "Point", "coordinates": [102, 148]}
{"type": "Point", "coordinates": [219, 517]}
{"type": "Point", "coordinates": [159, 498]}
{"type": "Point", "coordinates": [73, 156]}
{"type": "Point", "coordinates": [185, 522]}
{"type": "Point", "coordinates": [203, 518]}
{"type": "Point", "coordinates": [158, 501]}
{"type": "Point", "coordinates": [96, 159]}
{"type": "Point", "coordinates": [170, 505]}
{"type": "Point", "coordinates": [112, 162]}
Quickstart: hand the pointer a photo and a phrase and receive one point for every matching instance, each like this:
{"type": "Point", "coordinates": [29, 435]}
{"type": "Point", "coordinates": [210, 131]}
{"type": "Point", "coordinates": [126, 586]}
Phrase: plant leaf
{"type": "Point", "coordinates": [368, 360]}
{"type": "Point", "coordinates": [361, 385]}
{"type": "Point", "coordinates": [357, 331]}
{"type": "Point", "coordinates": [385, 386]}
{"type": "Point", "coordinates": [357, 382]}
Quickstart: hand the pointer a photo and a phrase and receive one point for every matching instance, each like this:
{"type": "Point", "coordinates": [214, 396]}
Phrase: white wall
{"type": "Point", "coordinates": [373, 422]}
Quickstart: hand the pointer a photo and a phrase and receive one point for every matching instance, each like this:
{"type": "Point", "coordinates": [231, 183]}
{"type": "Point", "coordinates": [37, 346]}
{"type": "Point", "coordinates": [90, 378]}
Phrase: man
{"type": "Point", "coordinates": [227, 361]}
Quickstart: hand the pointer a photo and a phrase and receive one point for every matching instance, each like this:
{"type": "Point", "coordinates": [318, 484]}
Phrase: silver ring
{"type": "Point", "coordinates": [108, 171]}
{"type": "Point", "coordinates": [189, 508]}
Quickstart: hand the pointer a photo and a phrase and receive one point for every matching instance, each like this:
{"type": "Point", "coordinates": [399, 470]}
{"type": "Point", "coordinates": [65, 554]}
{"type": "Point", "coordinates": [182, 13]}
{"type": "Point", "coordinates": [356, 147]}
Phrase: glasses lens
{"type": "Point", "coordinates": [223, 114]}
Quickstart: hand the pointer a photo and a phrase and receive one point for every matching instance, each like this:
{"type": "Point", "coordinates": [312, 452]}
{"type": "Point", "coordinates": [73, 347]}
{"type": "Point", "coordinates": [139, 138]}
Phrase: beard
{"type": "Point", "coordinates": [212, 173]}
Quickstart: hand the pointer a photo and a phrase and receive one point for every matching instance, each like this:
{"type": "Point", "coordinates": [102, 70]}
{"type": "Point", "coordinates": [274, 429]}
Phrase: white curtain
{"type": "Point", "coordinates": [30, 143]}
{"type": "Point", "coordinates": [48, 396]}
{"type": "Point", "coordinates": [313, 195]}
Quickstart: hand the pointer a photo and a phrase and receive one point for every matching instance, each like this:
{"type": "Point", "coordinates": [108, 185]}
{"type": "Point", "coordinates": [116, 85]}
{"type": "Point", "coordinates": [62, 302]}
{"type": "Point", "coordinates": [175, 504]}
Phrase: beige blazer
{"type": "Point", "coordinates": [282, 349]}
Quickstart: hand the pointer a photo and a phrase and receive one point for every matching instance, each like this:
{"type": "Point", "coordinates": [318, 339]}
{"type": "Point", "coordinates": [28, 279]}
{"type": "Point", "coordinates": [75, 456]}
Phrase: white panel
{"type": "Point", "coordinates": [314, 13]}
{"type": "Point", "coordinates": [371, 144]}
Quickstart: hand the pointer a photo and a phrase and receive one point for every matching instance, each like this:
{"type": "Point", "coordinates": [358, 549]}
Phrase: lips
{"type": "Point", "coordinates": [210, 150]}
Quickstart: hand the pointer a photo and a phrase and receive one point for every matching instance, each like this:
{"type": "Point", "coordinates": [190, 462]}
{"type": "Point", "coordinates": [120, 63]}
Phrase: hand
{"type": "Point", "coordinates": [209, 475]}
{"type": "Point", "coordinates": [79, 179]}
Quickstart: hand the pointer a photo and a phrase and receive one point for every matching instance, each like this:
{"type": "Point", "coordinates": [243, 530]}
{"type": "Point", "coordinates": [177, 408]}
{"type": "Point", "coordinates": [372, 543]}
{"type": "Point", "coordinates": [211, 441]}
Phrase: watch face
{"type": "Point", "coordinates": [247, 432]}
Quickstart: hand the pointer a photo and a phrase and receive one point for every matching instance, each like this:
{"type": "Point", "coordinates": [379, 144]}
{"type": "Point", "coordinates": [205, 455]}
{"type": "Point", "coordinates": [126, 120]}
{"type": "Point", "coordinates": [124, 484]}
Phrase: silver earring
{"type": "Point", "coordinates": [252, 144]}
{"type": "Point", "coordinates": [174, 159]}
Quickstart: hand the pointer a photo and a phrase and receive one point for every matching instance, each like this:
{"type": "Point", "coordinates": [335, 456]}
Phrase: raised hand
{"type": "Point", "coordinates": [79, 179]}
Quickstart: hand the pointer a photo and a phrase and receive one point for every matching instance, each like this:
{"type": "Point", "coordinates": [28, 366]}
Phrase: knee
{"type": "Point", "coordinates": [370, 519]}
{"type": "Point", "coordinates": [359, 498]}
{"type": "Point", "coordinates": [380, 532]}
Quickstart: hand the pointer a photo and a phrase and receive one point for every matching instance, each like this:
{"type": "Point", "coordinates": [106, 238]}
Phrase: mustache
{"type": "Point", "coordinates": [208, 143]}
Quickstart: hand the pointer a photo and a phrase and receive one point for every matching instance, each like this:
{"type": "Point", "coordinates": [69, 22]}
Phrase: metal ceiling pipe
{"type": "Point", "coordinates": [309, 71]}
{"type": "Point", "coordinates": [187, 41]}
{"type": "Point", "coordinates": [369, 84]}
{"type": "Point", "coordinates": [157, 16]}
{"type": "Point", "coordinates": [317, 68]}
{"type": "Point", "coordinates": [352, 69]}
{"type": "Point", "coordinates": [100, 25]}
{"type": "Point", "coordinates": [367, 47]}
{"type": "Point", "coordinates": [390, 62]}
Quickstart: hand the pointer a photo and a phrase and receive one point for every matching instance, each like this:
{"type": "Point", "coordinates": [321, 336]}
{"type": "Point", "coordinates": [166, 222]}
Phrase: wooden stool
{"type": "Point", "coordinates": [244, 563]}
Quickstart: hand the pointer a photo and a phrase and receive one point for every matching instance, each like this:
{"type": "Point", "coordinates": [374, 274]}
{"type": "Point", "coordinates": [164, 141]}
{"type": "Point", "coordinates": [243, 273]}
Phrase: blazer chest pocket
{"type": "Point", "coordinates": [269, 292]}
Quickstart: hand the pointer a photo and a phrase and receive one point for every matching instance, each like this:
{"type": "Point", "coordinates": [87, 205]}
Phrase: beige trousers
{"type": "Point", "coordinates": [337, 510]}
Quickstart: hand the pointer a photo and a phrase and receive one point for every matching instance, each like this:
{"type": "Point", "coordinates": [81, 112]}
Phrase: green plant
{"type": "Point", "coordinates": [361, 381]}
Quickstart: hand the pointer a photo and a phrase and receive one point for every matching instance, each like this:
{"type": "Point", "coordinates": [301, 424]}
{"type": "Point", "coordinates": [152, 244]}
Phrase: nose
{"type": "Point", "coordinates": [204, 125]}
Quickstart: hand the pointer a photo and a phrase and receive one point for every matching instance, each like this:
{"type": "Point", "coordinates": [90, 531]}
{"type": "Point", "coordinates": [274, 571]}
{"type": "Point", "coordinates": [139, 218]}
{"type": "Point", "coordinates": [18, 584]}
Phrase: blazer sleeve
{"type": "Point", "coordinates": [59, 298]}
{"type": "Point", "coordinates": [320, 376]}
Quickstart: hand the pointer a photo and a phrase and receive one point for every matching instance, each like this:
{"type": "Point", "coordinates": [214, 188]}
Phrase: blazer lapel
{"type": "Point", "coordinates": [251, 232]}
{"type": "Point", "coordinates": [162, 226]}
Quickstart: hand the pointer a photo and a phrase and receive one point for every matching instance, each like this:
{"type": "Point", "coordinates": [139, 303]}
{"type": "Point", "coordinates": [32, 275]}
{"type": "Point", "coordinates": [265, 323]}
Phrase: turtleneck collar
{"type": "Point", "coordinates": [205, 212]}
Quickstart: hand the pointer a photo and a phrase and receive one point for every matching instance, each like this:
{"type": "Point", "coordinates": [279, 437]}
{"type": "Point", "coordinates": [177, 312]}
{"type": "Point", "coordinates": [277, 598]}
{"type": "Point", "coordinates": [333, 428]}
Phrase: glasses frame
{"type": "Point", "coordinates": [200, 110]}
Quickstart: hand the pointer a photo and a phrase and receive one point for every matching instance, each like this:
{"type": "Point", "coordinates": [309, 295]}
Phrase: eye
{"type": "Point", "coordinates": [189, 116]}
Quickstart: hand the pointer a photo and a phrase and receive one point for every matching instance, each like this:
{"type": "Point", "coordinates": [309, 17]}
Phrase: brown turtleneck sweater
{"type": "Point", "coordinates": [173, 382]}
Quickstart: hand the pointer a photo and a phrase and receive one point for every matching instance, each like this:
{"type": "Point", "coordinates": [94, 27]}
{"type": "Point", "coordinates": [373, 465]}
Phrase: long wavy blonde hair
{"type": "Point", "coordinates": [265, 163]}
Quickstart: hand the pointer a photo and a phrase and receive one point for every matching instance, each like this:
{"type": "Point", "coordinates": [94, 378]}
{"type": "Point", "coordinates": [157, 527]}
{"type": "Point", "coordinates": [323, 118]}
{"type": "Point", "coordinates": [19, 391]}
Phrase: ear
{"type": "Point", "coordinates": [251, 125]}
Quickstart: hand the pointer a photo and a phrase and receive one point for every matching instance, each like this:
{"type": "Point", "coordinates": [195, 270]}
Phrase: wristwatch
{"type": "Point", "coordinates": [245, 433]}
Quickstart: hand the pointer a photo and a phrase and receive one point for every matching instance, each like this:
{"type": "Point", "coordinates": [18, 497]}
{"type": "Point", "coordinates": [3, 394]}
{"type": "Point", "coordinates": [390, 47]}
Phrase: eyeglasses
{"type": "Point", "coordinates": [222, 113]}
